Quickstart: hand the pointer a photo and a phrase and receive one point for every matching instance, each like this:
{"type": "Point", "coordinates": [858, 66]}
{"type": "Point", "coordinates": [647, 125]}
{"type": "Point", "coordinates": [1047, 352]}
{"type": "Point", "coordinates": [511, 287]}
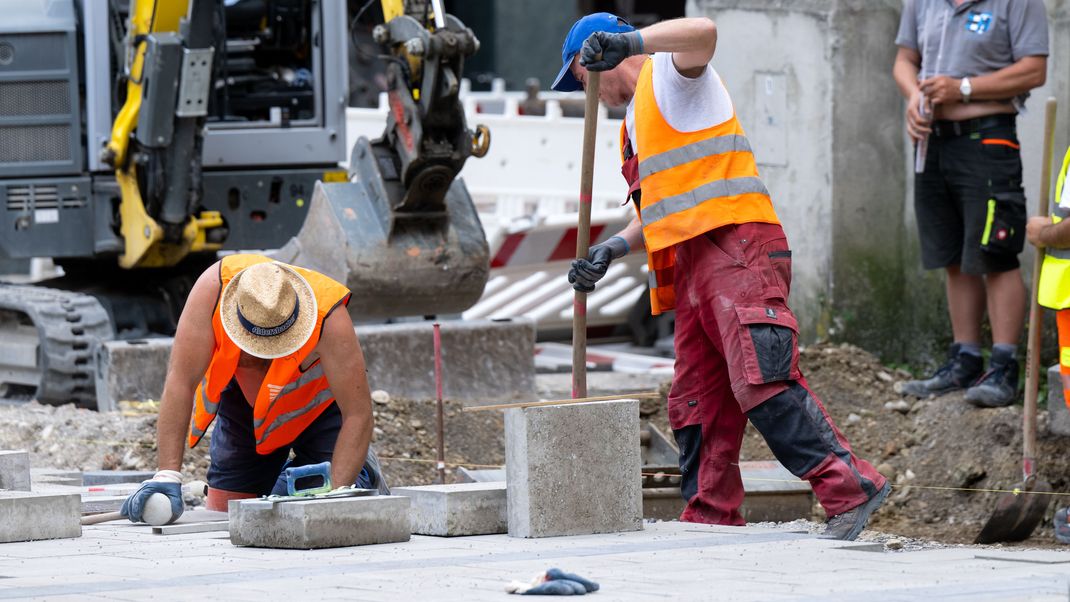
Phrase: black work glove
{"type": "Point", "coordinates": [614, 47]}
{"type": "Point", "coordinates": [586, 272]}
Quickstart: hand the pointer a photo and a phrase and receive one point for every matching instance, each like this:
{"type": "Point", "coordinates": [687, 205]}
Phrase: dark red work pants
{"type": "Point", "coordinates": [737, 358]}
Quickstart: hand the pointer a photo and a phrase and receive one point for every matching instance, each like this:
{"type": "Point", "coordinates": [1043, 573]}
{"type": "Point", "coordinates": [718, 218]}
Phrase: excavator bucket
{"type": "Point", "coordinates": [430, 261]}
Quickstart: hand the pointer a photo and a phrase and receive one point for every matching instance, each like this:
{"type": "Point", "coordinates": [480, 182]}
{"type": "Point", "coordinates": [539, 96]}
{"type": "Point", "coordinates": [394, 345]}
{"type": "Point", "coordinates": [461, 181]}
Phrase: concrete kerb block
{"type": "Point", "coordinates": [322, 523]}
{"type": "Point", "coordinates": [32, 516]}
{"type": "Point", "coordinates": [115, 477]}
{"type": "Point", "coordinates": [457, 509]}
{"type": "Point", "coordinates": [15, 470]}
{"type": "Point", "coordinates": [131, 370]}
{"type": "Point", "coordinates": [1058, 413]}
{"type": "Point", "coordinates": [573, 469]}
{"type": "Point", "coordinates": [481, 360]}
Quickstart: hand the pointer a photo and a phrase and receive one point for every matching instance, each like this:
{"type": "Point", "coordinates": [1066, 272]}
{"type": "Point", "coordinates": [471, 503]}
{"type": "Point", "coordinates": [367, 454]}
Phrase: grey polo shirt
{"type": "Point", "coordinates": [974, 38]}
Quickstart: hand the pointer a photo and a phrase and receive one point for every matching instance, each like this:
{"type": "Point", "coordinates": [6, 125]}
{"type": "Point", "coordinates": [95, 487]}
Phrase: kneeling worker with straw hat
{"type": "Point", "coordinates": [269, 350]}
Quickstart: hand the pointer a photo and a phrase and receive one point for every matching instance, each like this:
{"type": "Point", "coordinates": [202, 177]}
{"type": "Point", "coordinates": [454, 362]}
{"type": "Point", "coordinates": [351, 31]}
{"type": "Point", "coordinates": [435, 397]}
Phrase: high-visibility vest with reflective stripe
{"type": "Point", "coordinates": [1054, 289]}
{"type": "Point", "coordinates": [690, 183]}
{"type": "Point", "coordinates": [289, 399]}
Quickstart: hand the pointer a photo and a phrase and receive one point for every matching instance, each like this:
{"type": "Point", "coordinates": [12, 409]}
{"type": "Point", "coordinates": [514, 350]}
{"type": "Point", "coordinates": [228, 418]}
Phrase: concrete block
{"type": "Point", "coordinates": [1058, 413]}
{"type": "Point", "coordinates": [32, 516]}
{"type": "Point", "coordinates": [573, 469]}
{"type": "Point", "coordinates": [482, 361]}
{"type": "Point", "coordinates": [14, 470]}
{"type": "Point", "coordinates": [131, 371]}
{"type": "Point", "coordinates": [323, 523]}
{"type": "Point", "coordinates": [457, 509]}
{"type": "Point", "coordinates": [112, 477]}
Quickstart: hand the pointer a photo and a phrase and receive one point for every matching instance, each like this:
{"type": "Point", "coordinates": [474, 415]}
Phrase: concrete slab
{"type": "Point", "coordinates": [573, 469]}
{"type": "Point", "coordinates": [52, 476]}
{"type": "Point", "coordinates": [1058, 413]}
{"type": "Point", "coordinates": [323, 523]}
{"type": "Point", "coordinates": [399, 360]}
{"type": "Point", "coordinates": [457, 509]}
{"type": "Point", "coordinates": [112, 477]}
{"type": "Point", "coordinates": [30, 516]}
{"type": "Point", "coordinates": [14, 470]}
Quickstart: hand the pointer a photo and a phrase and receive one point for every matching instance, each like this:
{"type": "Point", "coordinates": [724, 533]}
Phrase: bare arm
{"type": "Point", "coordinates": [190, 356]}
{"type": "Point", "coordinates": [1043, 233]}
{"type": "Point", "coordinates": [905, 72]}
{"type": "Point", "coordinates": [1028, 73]}
{"type": "Point", "coordinates": [343, 365]}
{"type": "Point", "coordinates": [692, 42]}
{"type": "Point", "coordinates": [633, 235]}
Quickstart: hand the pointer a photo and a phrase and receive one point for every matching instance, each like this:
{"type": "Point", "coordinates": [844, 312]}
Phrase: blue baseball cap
{"type": "Point", "coordinates": [581, 30]}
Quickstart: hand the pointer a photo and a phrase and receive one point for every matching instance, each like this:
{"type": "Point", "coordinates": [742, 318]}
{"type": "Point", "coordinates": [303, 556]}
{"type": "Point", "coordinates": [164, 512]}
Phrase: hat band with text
{"type": "Point", "coordinates": [261, 331]}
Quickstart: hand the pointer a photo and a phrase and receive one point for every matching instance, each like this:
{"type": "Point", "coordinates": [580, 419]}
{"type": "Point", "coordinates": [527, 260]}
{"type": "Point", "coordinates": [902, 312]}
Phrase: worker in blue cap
{"type": "Point", "coordinates": [717, 255]}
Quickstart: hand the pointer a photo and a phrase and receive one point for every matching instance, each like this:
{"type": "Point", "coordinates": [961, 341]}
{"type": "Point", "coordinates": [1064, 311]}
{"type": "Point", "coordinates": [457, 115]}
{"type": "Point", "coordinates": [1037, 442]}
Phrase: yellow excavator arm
{"type": "Point", "coordinates": [145, 243]}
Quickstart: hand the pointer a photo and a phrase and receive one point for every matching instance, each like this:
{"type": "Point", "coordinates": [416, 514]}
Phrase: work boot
{"type": "Point", "coordinates": [1062, 529]}
{"type": "Point", "coordinates": [960, 371]}
{"type": "Point", "coordinates": [847, 525]}
{"type": "Point", "coordinates": [999, 386]}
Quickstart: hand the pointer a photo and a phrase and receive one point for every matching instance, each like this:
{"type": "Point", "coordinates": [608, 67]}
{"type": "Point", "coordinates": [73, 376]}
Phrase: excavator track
{"type": "Point", "coordinates": [48, 342]}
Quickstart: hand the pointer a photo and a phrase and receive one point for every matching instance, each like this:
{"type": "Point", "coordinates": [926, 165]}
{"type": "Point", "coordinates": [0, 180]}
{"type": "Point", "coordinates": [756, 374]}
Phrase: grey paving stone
{"type": "Point", "coordinates": [14, 470]}
{"type": "Point", "coordinates": [323, 523]}
{"type": "Point", "coordinates": [52, 476]}
{"type": "Point", "coordinates": [457, 509]}
{"type": "Point", "coordinates": [131, 370]}
{"type": "Point", "coordinates": [28, 516]}
{"type": "Point", "coordinates": [1058, 413]}
{"type": "Point", "coordinates": [573, 469]}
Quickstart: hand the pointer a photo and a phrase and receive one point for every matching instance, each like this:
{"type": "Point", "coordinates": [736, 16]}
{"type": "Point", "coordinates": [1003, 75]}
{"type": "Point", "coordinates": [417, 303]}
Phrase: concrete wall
{"type": "Point", "coordinates": [812, 85]}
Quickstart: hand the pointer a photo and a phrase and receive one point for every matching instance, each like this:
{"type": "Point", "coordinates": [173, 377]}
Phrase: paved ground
{"type": "Point", "coordinates": [677, 561]}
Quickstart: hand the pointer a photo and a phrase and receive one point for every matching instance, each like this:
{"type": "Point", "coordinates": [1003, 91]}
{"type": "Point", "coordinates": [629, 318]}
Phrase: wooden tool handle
{"type": "Point", "coordinates": [583, 235]}
{"type": "Point", "coordinates": [1032, 353]}
{"type": "Point", "coordinates": [562, 402]}
{"type": "Point", "coordinates": [93, 519]}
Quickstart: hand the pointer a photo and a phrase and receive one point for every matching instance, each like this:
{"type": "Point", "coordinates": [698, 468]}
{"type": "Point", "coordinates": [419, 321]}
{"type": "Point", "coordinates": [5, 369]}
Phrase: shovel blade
{"type": "Point", "coordinates": [1017, 515]}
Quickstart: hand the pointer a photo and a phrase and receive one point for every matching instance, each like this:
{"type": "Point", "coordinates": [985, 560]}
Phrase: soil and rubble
{"type": "Point", "coordinates": [938, 442]}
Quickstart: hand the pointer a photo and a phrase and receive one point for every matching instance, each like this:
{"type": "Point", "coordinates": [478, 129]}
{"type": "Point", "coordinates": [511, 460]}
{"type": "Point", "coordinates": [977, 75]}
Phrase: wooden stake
{"type": "Point", "coordinates": [583, 235]}
{"type": "Point", "coordinates": [562, 402]}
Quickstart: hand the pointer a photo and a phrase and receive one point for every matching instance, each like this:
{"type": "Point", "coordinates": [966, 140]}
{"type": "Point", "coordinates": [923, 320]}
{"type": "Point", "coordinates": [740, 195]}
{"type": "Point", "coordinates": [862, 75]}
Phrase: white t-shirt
{"type": "Point", "coordinates": [688, 104]}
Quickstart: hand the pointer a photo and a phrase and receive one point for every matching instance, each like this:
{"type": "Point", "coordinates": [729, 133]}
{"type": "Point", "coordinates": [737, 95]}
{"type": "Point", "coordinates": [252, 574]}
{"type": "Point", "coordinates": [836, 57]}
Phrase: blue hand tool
{"type": "Point", "coordinates": [293, 474]}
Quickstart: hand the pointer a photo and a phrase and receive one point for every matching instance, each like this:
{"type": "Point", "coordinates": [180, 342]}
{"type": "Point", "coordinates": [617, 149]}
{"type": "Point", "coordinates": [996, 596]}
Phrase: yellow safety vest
{"type": "Point", "coordinates": [1054, 289]}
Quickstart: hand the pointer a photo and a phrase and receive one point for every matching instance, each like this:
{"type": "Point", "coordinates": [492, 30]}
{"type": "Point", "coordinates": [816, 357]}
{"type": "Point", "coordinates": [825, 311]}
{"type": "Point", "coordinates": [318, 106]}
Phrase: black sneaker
{"type": "Point", "coordinates": [960, 371]}
{"type": "Point", "coordinates": [996, 388]}
{"type": "Point", "coordinates": [847, 525]}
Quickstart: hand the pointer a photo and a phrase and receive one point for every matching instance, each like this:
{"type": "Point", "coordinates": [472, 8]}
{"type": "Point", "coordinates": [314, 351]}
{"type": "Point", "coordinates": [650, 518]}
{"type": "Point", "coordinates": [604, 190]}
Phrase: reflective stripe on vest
{"type": "Point", "coordinates": [718, 189]}
{"type": "Point", "coordinates": [288, 400]}
{"type": "Point", "coordinates": [1053, 290]}
{"type": "Point", "coordinates": [691, 183]}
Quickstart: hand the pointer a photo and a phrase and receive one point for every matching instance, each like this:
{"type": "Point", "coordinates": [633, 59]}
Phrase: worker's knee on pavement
{"type": "Point", "coordinates": [792, 425]}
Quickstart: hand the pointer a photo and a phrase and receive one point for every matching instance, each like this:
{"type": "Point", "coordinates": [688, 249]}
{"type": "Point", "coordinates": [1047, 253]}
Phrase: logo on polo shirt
{"type": "Point", "coordinates": [978, 23]}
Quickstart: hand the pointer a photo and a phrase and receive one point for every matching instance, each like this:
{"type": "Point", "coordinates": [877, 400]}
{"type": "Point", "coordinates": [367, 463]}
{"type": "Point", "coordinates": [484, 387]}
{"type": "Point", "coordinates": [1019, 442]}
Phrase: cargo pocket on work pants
{"type": "Point", "coordinates": [685, 419]}
{"type": "Point", "coordinates": [1004, 228]}
{"type": "Point", "coordinates": [768, 335]}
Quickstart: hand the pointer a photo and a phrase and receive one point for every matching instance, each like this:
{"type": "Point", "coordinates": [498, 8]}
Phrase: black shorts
{"type": "Point", "coordinates": [969, 202]}
{"type": "Point", "coordinates": [235, 465]}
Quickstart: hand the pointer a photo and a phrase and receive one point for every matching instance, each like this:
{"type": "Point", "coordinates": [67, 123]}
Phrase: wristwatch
{"type": "Point", "coordinates": [966, 89]}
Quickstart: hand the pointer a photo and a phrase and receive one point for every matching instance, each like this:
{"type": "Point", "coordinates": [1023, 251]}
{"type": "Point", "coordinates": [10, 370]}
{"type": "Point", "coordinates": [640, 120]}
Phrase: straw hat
{"type": "Point", "coordinates": [268, 310]}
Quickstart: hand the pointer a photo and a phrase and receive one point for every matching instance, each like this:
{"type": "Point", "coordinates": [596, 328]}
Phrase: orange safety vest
{"type": "Point", "coordinates": [289, 399]}
{"type": "Point", "coordinates": [691, 183]}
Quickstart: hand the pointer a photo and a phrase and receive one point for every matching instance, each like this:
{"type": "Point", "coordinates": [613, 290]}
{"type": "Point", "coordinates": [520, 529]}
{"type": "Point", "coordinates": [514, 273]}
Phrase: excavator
{"type": "Point", "coordinates": [140, 139]}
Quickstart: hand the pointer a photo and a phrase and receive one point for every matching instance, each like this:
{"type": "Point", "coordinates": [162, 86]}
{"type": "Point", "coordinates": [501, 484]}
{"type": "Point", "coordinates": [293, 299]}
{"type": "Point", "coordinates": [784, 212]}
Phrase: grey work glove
{"type": "Point", "coordinates": [586, 272]}
{"type": "Point", "coordinates": [614, 48]}
{"type": "Point", "coordinates": [167, 482]}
